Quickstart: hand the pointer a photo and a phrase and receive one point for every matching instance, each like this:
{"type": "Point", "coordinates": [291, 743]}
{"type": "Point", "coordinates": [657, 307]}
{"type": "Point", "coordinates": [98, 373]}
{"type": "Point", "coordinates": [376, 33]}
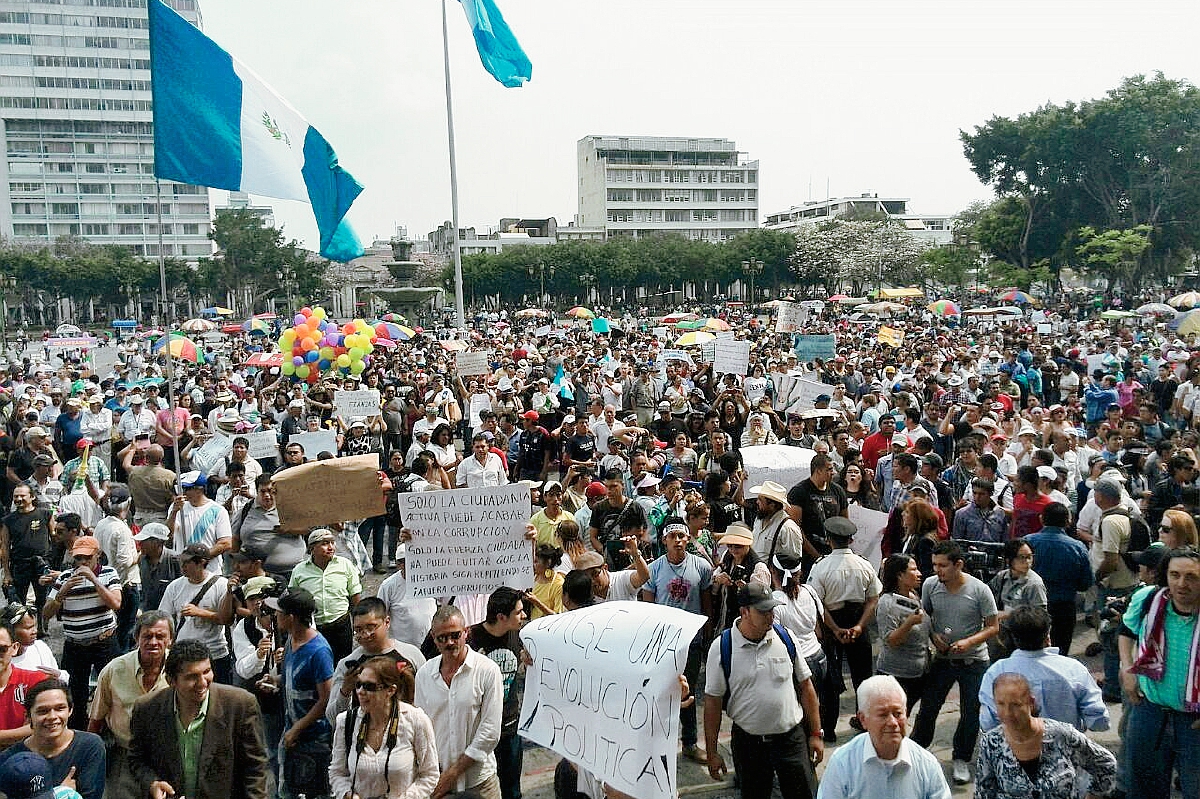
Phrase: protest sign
{"type": "Point", "coordinates": [791, 318]}
{"type": "Point", "coordinates": [708, 351]}
{"type": "Point", "coordinates": [206, 459]}
{"type": "Point", "coordinates": [467, 541]}
{"type": "Point", "coordinates": [661, 333]}
{"type": "Point", "coordinates": [731, 357]}
{"type": "Point", "coordinates": [600, 325]}
{"type": "Point", "coordinates": [868, 541]}
{"type": "Point", "coordinates": [544, 330]}
{"type": "Point", "coordinates": [603, 691]}
{"type": "Point", "coordinates": [725, 334]}
{"type": "Point", "coordinates": [263, 444]}
{"type": "Point", "coordinates": [812, 346]}
{"type": "Point", "coordinates": [70, 342]}
{"type": "Point", "coordinates": [1045, 329]}
{"type": "Point", "coordinates": [785, 465]}
{"type": "Point", "coordinates": [334, 490]}
{"type": "Point", "coordinates": [316, 442]}
{"type": "Point", "coordinates": [472, 363]}
{"type": "Point", "coordinates": [794, 394]}
{"type": "Point", "coordinates": [364, 402]}
{"type": "Point", "coordinates": [1096, 361]}
{"type": "Point", "coordinates": [674, 355]}
{"type": "Point", "coordinates": [890, 336]}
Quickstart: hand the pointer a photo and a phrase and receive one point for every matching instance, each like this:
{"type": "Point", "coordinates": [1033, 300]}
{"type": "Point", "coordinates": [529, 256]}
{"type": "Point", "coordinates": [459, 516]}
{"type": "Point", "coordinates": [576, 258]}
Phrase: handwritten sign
{"type": "Point", "coordinates": [890, 336]}
{"type": "Point", "coordinates": [731, 357]}
{"type": "Point", "coordinates": [791, 318]}
{"type": "Point", "coordinates": [211, 453]}
{"type": "Point", "coordinates": [603, 691]}
{"type": "Point", "coordinates": [661, 333]}
{"type": "Point", "coordinates": [674, 355]}
{"type": "Point", "coordinates": [812, 346]}
{"type": "Point", "coordinates": [467, 541]}
{"type": "Point", "coordinates": [868, 541]}
{"type": "Point", "coordinates": [708, 351]}
{"type": "Point", "coordinates": [472, 363]}
{"type": "Point", "coordinates": [794, 394]}
{"type": "Point", "coordinates": [364, 402]}
{"type": "Point", "coordinates": [1044, 329]}
{"type": "Point", "coordinates": [324, 492]}
{"type": "Point", "coordinates": [263, 444]}
{"type": "Point", "coordinates": [315, 442]}
{"type": "Point", "coordinates": [782, 464]}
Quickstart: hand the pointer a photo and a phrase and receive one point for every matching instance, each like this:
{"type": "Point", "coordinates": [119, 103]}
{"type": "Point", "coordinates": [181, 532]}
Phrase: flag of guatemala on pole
{"type": "Point", "coordinates": [217, 124]}
{"type": "Point", "coordinates": [499, 50]}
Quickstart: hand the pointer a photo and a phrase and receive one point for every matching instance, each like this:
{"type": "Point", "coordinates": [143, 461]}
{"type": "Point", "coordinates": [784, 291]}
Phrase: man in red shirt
{"type": "Point", "coordinates": [1028, 503]}
{"type": "Point", "coordinates": [878, 443]}
{"type": "Point", "coordinates": [14, 683]}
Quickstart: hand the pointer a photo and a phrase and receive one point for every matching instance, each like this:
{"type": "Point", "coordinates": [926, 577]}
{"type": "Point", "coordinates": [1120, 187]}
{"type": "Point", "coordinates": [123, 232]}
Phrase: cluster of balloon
{"type": "Point", "coordinates": [317, 345]}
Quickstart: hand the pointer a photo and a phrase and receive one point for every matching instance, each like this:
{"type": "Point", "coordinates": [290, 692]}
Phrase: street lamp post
{"type": "Point", "coordinates": [540, 270]}
{"type": "Point", "coordinates": [284, 276]}
{"type": "Point", "coordinates": [7, 284]}
{"type": "Point", "coordinates": [752, 268]}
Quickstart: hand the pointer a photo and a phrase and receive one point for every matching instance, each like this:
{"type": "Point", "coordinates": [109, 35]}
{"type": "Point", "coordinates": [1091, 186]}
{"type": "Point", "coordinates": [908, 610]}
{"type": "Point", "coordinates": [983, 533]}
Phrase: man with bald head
{"type": "Point", "coordinates": [152, 487]}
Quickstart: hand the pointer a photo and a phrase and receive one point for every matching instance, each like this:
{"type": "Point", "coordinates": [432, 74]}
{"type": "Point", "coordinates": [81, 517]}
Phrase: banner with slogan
{"type": "Point", "coordinates": [808, 347]}
{"type": "Point", "coordinates": [263, 444]}
{"type": "Point", "coordinates": [795, 394]}
{"type": "Point", "coordinates": [603, 691]}
{"type": "Point", "coordinates": [731, 357]}
{"type": "Point", "coordinates": [364, 402]}
{"type": "Point", "coordinates": [467, 541]}
{"type": "Point", "coordinates": [791, 318]}
{"type": "Point", "coordinates": [890, 336]}
{"type": "Point", "coordinates": [470, 364]}
{"type": "Point", "coordinates": [70, 342]}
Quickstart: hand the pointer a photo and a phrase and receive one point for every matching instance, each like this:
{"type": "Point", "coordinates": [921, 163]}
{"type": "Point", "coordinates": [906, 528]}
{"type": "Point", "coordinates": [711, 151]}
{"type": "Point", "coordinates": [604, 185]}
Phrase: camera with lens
{"type": "Point", "coordinates": [738, 573]}
{"type": "Point", "coordinates": [42, 565]}
{"type": "Point", "coordinates": [983, 559]}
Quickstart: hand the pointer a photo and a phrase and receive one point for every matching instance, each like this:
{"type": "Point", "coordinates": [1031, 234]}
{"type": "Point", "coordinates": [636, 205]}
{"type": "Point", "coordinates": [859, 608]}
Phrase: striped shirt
{"type": "Point", "coordinates": [84, 615]}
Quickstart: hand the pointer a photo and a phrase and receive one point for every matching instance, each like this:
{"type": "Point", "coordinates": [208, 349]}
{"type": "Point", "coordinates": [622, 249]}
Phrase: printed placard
{"type": "Point", "coordinates": [470, 364]}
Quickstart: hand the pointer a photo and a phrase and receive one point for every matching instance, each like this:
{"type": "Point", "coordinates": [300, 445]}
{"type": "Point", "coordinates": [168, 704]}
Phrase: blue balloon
{"type": "Point", "coordinates": [341, 340]}
{"type": "Point", "coordinates": [323, 364]}
{"type": "Point", "coordinates": [312, 356]}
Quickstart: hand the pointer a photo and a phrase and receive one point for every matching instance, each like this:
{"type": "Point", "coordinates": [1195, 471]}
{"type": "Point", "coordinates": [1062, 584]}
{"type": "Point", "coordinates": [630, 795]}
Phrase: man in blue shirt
{"type": "Point", "coordinates": [1101, 391]}
{"type": "Point", "coordinates": [1062, 562]}
{"type": "Point", "coordinates": [1062, 687]}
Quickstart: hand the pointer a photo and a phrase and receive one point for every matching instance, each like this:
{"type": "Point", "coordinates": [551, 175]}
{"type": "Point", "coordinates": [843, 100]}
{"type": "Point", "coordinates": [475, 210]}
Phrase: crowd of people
{"type": "Point", "coordinates": [1028, 485]}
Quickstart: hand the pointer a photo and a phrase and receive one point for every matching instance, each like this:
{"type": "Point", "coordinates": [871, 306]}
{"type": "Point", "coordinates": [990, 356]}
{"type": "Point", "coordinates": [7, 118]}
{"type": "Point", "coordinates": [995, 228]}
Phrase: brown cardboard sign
{"type": "Point", "coordinates": [323, 492]}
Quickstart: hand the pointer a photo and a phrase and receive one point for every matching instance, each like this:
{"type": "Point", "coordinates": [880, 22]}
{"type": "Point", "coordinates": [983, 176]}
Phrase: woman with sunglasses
{"type": "Point", "coordinates": [1177, 530]}
{"type": "Point", "coordinates": [384, 746]}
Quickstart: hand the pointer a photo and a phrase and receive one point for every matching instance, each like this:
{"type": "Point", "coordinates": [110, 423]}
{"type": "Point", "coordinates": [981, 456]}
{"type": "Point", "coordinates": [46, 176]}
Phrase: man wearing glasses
{"type": "Point", "coordinates": [372, 632]}
{"type": "Point", "coordinates": [463, 694]}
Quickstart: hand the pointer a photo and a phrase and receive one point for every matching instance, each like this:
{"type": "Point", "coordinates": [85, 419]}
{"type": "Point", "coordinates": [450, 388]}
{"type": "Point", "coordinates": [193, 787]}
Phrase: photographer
{"type": "Point", "coordinates": [24, 546]}
{"type": "Point", "coordinates": [740, 566]}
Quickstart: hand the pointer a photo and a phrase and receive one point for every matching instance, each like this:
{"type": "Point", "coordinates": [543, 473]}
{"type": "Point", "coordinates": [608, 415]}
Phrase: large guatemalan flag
{"type": "Point", "coordinates": [217, 124]}
{"type": "Point", "coordinates": [498, 48]}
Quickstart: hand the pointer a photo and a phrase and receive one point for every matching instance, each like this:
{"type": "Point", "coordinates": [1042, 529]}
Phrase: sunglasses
{"type": "Point", "coordinates": [368, 687]}
{"type": "Point", "coordinates": [446, 638]}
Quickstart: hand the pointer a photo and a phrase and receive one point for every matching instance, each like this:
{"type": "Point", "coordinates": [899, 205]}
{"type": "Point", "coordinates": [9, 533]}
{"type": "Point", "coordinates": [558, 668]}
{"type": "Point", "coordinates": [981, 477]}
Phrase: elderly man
{"type": "Point", "coordinates": [195, 738]}
{"type": "Point", "coordinates": [120, 684]}
{"type": "Point", "coordinates": [463, 694]}
{"type": "Point", "coordinates": [883, 763]}
{"type": "Point", "coordinates": [335, 586]}
{"type": "Point", "coordinates": [152, 486]}
{"type": "Point", "coordinates": [196, 519]}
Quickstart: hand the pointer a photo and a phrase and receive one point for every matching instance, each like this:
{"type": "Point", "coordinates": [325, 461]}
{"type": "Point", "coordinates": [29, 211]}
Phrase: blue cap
{"type": "Point", "coordinates": [193, 479]}
{"type": "Point", "coordinates": [26, 775]}
{"type": "Point", "coordinates": [822, 398]}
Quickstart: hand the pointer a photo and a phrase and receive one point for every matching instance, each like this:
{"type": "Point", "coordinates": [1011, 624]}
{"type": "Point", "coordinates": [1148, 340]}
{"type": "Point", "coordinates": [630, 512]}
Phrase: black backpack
{"type": "Point", "coordinates": [1139, 540]}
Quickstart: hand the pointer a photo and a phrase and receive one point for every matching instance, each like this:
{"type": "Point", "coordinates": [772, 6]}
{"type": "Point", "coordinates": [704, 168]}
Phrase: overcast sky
{"type": "Point", "coordinates": [860, 96]}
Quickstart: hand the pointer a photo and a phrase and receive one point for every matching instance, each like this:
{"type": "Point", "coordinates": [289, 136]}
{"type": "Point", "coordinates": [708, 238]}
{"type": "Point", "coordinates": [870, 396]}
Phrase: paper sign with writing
{"type": "Point", "coordinates": [674, 355]}
{"type": "Point", "coordinates": [782, 464]}
{"type": "Point", "coordinates": [603, 691]}
{"type": "Point", "coordinates": [1045, 329]}
{"type": "Point", "coordinates": [364, 402]}
{"type": "Point", "coordinates": [731, 357]}
{"type": "Point", "coordinates": [890, 336]}
{"type": "Point", "coordinates": [813, 346]}
{"type": "Point", "coordinates": [473, 363]}
{"type": "Point", "coordinates": [868, 541]}
{"type": "Point", "coordinates": [211, 453]}
{"type": "Point", "coordinates": [467, 541]}
{"type": "Point", "coordinates": [661, 333]}
{"type": "Point", "coordinates": [791, 318]}
{"type": "Point", "coordinates": [316, 442]}
{"type": "Point", "coordinates": [324, 492]}
{"type": "Point", "coordinates": [708, 351]}
{"type": "Point", "coordinates": [263, 444]}
{"type": "Point", "coordinates": [795, 394]}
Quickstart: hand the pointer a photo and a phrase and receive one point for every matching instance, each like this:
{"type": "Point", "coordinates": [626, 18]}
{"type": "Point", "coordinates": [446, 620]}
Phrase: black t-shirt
{"type": "Point", "coordinates": [505, 652]}
{"type": "Point", "coordinates": [581, 448]}
{"type": "Point", "coordinates": [28, 534]}
{"type": "Point", "coordinates": [21, 462]}
{"type": "Point", "coordinates": [532, 450]}
{"type": "Point", "coordinates": [816, 505]}
{"type": "Point", "coordinates": [721, 513]}
{"type": "Point", "coordinates": [667, 429]}
{"type": "Point", "coordinates": [607, 519]}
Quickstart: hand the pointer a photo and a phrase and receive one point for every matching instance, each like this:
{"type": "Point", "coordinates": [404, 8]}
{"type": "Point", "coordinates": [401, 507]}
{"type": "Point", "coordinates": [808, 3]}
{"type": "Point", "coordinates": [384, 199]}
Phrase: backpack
{"type": "Point", "coordinates": [727, 656]}
{"type": "Point", "coordinates": [1139, 540]}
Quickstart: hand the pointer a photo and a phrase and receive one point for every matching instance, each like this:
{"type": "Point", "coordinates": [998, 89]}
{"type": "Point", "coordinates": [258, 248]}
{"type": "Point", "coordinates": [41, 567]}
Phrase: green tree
{"type": "Point", "coordinates": [1114, 254]}
{"type": "Point", "coordinates": [254, 256]}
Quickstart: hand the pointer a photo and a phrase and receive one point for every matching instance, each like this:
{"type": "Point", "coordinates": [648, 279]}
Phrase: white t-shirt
{"type": "Point", "coordinates": [411, 616]}
{"type": "Point", "coordinates": [216, 526]}
{"type": "Point", "coordinates": [620, 586]}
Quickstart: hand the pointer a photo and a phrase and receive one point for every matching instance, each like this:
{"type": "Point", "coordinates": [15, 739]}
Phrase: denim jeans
{"type": "Point", "coordinates": [306, 768]}
{"type": "Point", "coordinates": [1159, 741]}
{"type": "Point", "coordinates": [943, 674]}
{"type": "Point", "coordinates": [79, 660]}
{"type": "Point", "coordinates": [509, 760]}
{"type": "Point", "coordinates": [687, 716]}
{"type": "Point", "coordinates": [373, 531]}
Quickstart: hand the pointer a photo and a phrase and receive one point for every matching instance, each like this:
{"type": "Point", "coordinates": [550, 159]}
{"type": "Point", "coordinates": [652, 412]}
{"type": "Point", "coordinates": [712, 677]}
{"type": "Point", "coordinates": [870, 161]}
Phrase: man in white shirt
{"type": "Point", "coordinates": [483, 469]}
{"type": "Point", "coordinates": [429, 421]}
{"type": "Point", "coordinates": [136, 420]}
{"type": "Point", "coordinates": [196, 519]}
{"type": "Point", "coordinates": [883, 763]}
{"type": "Point", "coordinates": [463, 694]}
{"type": "Point", "coordinates": [411, 616]}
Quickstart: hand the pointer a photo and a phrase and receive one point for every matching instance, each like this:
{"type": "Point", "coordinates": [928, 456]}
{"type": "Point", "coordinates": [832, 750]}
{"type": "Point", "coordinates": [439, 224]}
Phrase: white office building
{"type": "Point", "coordinates": [649, 185]}
{"type": "Point", "coordinates": [78, 133]}
{"type": "Point", "coordinates": [934, 228]}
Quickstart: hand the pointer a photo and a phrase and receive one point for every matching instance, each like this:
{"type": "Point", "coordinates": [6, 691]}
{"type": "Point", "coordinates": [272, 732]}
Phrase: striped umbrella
{"type": "Point", "coordinates": [256, 327]}
{"type": "Point", "coordinates": [1016, 296]}
{"type": "Point", "coordinates": [198, 326]}
{"type": "Point", "coordinates": [716, 324]}
{"type": "Point", "coordinates": [1188, 299]}
{"type": "Point", "coordinates": [180, 347]}
{"type": "Point", "coordinates": [944, 308]}
{"type": "Point", "coordinates": [694, 338]}
{"type": "Point", "coordinates": [1157, 309]}
{"type": "Point", "coordinates": [398, 332]}
{"type": "Point", "coordinates": [579, 312]}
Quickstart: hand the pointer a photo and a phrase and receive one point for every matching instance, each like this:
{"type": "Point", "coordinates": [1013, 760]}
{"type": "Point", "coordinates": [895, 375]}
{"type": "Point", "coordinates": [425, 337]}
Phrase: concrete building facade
{"type": "Point", "coordinates": [638, 186]}
{"type": "Point", "coordinates": [77, 127]}
{"type": "Point", "coordinates": [934, 228]}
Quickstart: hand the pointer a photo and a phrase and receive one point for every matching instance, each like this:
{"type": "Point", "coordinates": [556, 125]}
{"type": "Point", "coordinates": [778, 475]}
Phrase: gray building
{"type": "Point", "coordinates": [650, 185]}
{"type": "Point", "coordinates": [76, 122]}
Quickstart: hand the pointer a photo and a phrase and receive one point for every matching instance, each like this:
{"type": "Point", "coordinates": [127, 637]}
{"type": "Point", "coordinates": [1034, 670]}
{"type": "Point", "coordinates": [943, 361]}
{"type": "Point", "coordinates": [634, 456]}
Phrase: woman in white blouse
{"type": "Point", "coordinates": [384, 746]}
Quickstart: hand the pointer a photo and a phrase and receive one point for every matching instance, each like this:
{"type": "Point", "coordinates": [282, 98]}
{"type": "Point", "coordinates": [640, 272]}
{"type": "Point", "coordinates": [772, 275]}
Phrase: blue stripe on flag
{"type": "Point", "coordinates": [197, 104]}
{"type": "Point", "coordinates": [331, 190]}
{"type": "Point", "coordinates": [498, 48]}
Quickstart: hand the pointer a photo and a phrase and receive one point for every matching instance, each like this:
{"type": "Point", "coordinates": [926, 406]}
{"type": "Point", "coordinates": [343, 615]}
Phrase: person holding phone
{"type": "Point", "coordinates": [903, 627]}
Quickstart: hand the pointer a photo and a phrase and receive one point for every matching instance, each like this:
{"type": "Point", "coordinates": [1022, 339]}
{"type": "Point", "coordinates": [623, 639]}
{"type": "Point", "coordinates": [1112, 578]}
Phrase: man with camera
{"type": "Point", "coordinates": [24, 547]}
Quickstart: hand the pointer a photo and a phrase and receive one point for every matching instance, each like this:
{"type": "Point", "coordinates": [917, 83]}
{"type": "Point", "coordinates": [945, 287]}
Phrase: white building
{"type": "Point", "coordinates": [76, 123]}
{"type": "Point", "coordinates": [649, 185]}
{"type": "Point", "coordinates": [934, 228]}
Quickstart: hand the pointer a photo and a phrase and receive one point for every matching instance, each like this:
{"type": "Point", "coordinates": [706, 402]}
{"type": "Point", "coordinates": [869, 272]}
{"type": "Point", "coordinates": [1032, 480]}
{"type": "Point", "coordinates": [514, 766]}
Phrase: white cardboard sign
{"type": "Point", "coordinates": [472, 363]}
{"type": "Point", "coordinates": [791, 318]}
{"type": "Point", "coordinates": [776, 462]}
{"type": "Point", "coordinates": [731, 356]}
{"type": "Point", "coordinates": [364, 402]}
{"type": "Point", "coordinates": [263, 444]}
{"type": "Point", "coordinates": [315, 443]}
{"type": "Point", "coordinates": [868, 541]}
{"type": "Point", "coordinates": [795, 394]}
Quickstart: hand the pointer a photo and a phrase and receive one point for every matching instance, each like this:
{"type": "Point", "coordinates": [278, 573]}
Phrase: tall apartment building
{"type": "Point", "coordinates": [78, 133]}
{"type": "Point", "coordinates": [649, 185]}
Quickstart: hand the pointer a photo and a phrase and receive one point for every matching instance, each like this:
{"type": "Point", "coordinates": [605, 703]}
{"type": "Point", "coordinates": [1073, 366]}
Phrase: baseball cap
{"type": "Point", "coordinates": [321, 534]}
{"type": "Point", "coordinates": [85, 545]}
{"type": "Point", "coordinates": [296, 403]}
{"type": "Point", "coordinates": [155, 530]}
{"type": "Point", "coordinates": [27, 775]}
{"type": "Point", "coordinates": [757, 596]}
{"type": "Point", "coordinates": [194, 552]}
{"type": "Point", "coordinates": [1047, 473]}
{"type": "Point", "coordinates": [192, 479]}
{"type": "Point", "coordinates": [531, 416]}
{"type": "Point", "coordinates": [36, 431]}
{"type": "Point", "coordinates": [43, 460]}
{"type": "Point", "coordinates": [295, 601]}
{"type": "Point", "coordinates": [595, 490]}
{"type": "Point", "coordinates": [256, 586]}
{"type": "Point", "coordinates": [664, 406]}
{"type": "Point", "coordinates": [568, 419]}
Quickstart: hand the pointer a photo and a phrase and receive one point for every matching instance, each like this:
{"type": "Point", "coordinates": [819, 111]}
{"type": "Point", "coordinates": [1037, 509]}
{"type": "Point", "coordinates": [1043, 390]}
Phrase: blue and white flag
{"type": "Point", "coordinates": [499, 50]}
{"type": "Point", "coordinates": [218, 124]}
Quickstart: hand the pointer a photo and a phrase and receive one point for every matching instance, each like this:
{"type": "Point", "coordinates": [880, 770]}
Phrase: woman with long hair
{"type": "Point", "coordinates": [1177, 530]}
{"type": "Point", "coordinates": [920, 532]}
{"type": "Point", "coordinates": [723, 508]}
{"type": "Point", "coordinates": [442, 446]}
{"type": "Point", "coordinates": [903, 626]}
{"type": "Point", "coordinates": [383, 746]}
{"type": "Point", "coordinates": [859, 490]}
{"type": "Point", "coordinates": [681, 458]}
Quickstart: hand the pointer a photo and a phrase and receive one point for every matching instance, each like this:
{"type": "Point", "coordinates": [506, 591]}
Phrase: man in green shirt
{"type": "Point", "coordinates": [334, 583]}
{"type": "Point", "coordinates": [197, 739]}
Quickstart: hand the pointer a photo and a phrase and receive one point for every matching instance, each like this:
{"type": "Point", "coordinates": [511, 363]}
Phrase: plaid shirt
{"type": "Point", "coordinates": [901, 492]}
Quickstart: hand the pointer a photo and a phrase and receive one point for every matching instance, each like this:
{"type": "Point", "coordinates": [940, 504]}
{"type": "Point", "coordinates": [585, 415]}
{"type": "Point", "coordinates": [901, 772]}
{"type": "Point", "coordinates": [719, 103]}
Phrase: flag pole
{"type": "Point", "coordinates": [162, 286]}
{"type": "Point", "coordinates": [458, 275]}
